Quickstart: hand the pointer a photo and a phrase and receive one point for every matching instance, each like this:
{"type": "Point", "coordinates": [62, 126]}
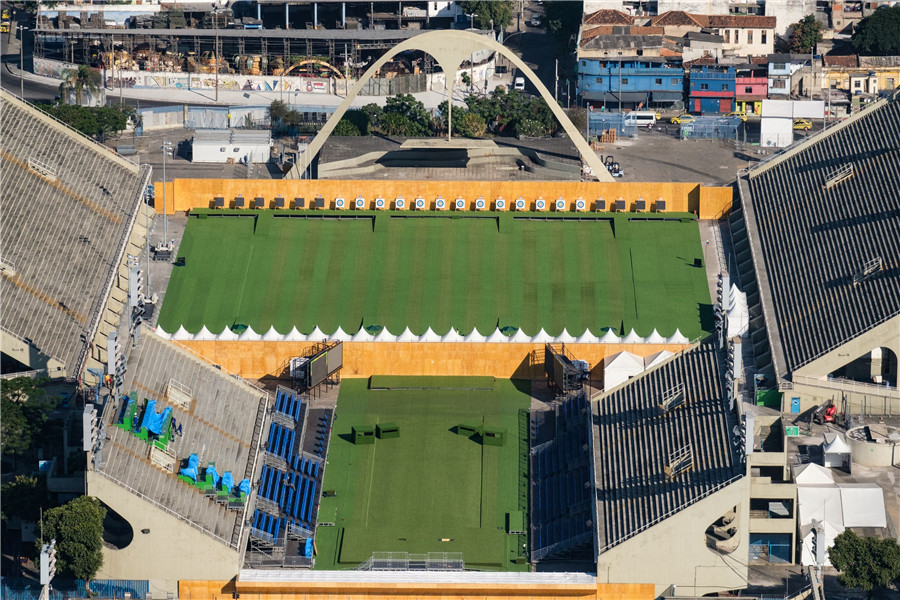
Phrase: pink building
{"type": "Point", "coordinates": [751, 87]}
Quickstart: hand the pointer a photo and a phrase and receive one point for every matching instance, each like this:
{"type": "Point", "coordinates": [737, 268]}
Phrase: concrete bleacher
{"type": "Point", "coordinates": [223, 425]}
{"type": "Point", "coordinates": [561, 490]}
{"type": "Point", "coordinates": [290, 482]}
{"type": "Point", "coordinates": [634, 440]}
{"type": "Point", "coordinates": [809, 236]}
{"type": "Point", "coordinates": [69, 206]}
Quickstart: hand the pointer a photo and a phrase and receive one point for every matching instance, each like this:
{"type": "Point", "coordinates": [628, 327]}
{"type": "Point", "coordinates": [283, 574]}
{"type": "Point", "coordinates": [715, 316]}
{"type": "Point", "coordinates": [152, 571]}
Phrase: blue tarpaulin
{"type": "Point", "coordinates": [191, 469]}
{"type": "Point", "coordinates": [149, 414]}
{"type": "Point", "coordinates": [227, 481]}
{"type": "Point", "coordinates": [308, 548]}
{"type": "Point", "coordinates": [211, 471]}
{"type": "Point", "coordinates": [244, 486]}
{"type": "Point", "coordinates": [156, 424]}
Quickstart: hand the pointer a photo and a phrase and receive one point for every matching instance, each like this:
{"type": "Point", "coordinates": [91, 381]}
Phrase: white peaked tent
{"type": "Point", "coordinates": [542, 337]}
{"type": "Point", "coordinates": [565, 337]}
{"type": "Point", "coordinates": [655, 359]}
{"type": "Point", "coordinates": [249, 335]}
{"type": "Point", "coordinates": [272, 335]}
{"type": "Point", "coordinates": [737, 315]}
{"type": "Point", "coordinates": [182, 334]}
{"type": "Point", "coordinates": [317, 335]}
{"type": "Point", "coordinates": [363, 336]}
{"type": "Point", "coordinates": [609, 338]}
{"type": "Point", "coordinates": [340, 335]}
{"type": "Point", "coordinates": [474, 336]}
{"type": "Point", "coordinates": [497, 337]}
{"type": "Point", "coordinates": [620, 367]}
{"type": "Point", "coordinates": [452, 336]}
{"type": "Point", "coordinates": [836, 451]}
{"type": "Point", "coordinates": [429, 336]}
{"type": "Point", "coordinates": [294, 336]}
{"type": "Point", "coordinates": [677, 338]}
{"type": "Point", "coordinates": [385, 336]}
{"type": "Point", "coordinates": [162, 333]}
{"type": "Point", "coordinates": [654, 338]}
{"type": "Point", "coordinates": [407, 336]}
{"type": "Point", "coordinates": [227, 335]}
{"type": "Point", "coordinates": [520, 337]}
{"type": "Point", "coordinates": [204, 334]}
{"type": "Point", "coordinates": [588, 338]}
{"type": "Point", "coordinates": [632, 338]}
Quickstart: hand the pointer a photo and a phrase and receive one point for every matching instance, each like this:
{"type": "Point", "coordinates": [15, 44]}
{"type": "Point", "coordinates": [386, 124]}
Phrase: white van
{"type": "Point", "coordinates": [644, 118]}
{"type": "Point", "coordinates": [519, 83]}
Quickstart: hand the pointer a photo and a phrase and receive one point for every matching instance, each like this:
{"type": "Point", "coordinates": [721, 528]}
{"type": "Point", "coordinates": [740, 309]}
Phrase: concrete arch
{"type": "Point", "coordinates": [449, 49]}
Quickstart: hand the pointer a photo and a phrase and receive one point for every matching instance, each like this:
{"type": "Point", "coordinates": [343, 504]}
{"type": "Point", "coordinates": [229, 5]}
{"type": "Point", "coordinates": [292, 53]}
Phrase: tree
{"type": "Point", "coordinates": [24, 405]}
{"type": "Point", "coordinates": [77, 527]}
{"type": "Point", "coordinates": [23, 497]}
{"type": "Point", "coordinates": [879, 33]}
{"type": "Point", "coordinates": [865, 562]}
{"type": "Point", "coordinates": [346, 128]}
{"type": "Point", "coordinates": [470, 125]}
{"type": "Point", "coordinates": [404, 115]}
{"type": "Point", "coordinates": [498, 11]}
{"type": "Point", "coordinates": [805, 34]}
{"type": "Point", "coordinates": [79, 79]}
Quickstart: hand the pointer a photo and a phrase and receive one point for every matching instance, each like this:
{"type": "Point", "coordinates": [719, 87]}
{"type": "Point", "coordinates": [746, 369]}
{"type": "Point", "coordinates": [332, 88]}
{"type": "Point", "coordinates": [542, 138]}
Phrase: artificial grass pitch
{"type": "Point", "coordinates": [407, 494]}
{"type": "Point", "coordinates": [439, 270]}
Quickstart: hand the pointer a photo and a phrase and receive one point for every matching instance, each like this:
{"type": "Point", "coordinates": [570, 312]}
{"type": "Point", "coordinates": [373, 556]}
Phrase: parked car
{"type": "Point", "coordinates": [738, 113]}
{"type": "Point", "coordinates": [804, 124]}
{"type": "Point", "coordinates": [519, 83]}
{"type": "Point", "coordinates": [681, 119]}
{"type": "Point", "coordinates": [535, 20]}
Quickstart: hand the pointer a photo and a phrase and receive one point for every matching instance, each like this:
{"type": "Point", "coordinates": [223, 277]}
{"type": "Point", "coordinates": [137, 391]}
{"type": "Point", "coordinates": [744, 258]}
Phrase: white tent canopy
{"type": "Point", "coordinates": [620, 367]}
{"type": "Point", "coordinates": [836, 451]}
{"type": "Point", "coordinates": [738, 314]}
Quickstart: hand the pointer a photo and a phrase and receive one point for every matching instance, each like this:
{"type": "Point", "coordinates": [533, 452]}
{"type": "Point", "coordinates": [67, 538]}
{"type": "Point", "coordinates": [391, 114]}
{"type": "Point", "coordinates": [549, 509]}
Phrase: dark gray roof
{"type": "Point", "coordinates": [314, 34]}
{"type": "Point", "coordinates": [813, 240]}
{"type": "Point", "coordinates": [633, 440]}
{"type": "Point", "coordinates": [222, 424]}
{"type": "Point", "coordinates": [62, 232]}
{"type": "Point", "coordinates": [615, 41]}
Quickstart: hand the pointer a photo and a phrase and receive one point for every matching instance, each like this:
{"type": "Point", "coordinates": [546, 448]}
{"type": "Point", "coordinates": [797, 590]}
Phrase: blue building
{"type": "Point", "coordinates": [711, 89]}
{"type": "Point", "coordinates": [638, 82]}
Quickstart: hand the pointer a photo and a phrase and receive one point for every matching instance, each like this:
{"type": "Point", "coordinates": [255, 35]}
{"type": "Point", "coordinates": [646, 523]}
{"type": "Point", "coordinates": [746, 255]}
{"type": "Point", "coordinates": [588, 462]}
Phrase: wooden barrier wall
{"type": "Point", "coordinates": [256, 360]}
{"type": "Point", "coordinates": [225, 590]}
{"type": "Point", "coordinates": [185, 194]}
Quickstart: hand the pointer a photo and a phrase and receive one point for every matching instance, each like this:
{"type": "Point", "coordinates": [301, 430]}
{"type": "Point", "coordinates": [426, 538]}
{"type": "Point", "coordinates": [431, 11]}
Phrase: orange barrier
{"type": "Point", "coordinates": [255, 360]}
{"type": "Point", "coordinates": [226, 590]}
{"type": "Point", "coordinates": [185, 194]}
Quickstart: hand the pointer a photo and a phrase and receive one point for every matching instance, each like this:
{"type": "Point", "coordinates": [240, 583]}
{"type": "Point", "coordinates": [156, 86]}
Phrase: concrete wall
{"type": "Point", "coordinates": [223, 590]}
{"type": "Point", "coordinates": [185, 194]}
{"type": "Point", "coordinates": [254, 360]}
{"type": "Point", "coordinates": [674, 552]}
{"type": "Point", "coordinates": [172, 549]}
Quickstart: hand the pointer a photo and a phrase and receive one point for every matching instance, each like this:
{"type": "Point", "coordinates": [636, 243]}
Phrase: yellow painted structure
{"type": "Point", "coordinates": [185, 194]}
{"type": "Point", "coordinates": [258, 359]}
{"type": "Point", "coordinates": [223, 590]}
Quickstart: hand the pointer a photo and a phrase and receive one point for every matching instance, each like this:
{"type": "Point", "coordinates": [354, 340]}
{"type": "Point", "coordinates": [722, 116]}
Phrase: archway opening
{"type": "Point", "coordinates": [879, 366]}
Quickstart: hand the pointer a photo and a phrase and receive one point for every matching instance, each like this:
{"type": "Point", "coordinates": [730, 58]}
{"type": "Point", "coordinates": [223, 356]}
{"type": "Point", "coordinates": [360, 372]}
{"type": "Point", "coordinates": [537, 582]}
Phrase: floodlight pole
{"type": "Point", "coordinates": [22, 29]}
{"type": "Point", "coordinates": [166, 148]}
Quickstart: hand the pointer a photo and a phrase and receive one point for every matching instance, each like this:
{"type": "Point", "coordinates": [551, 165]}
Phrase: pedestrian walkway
{"type": "Point", "coordinates": [431, 99]}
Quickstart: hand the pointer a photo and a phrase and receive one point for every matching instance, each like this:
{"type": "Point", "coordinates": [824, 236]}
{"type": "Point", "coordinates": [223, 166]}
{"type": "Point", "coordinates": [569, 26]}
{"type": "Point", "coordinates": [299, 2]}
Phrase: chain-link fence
{"type": "Point", "coordinates": [712, 128]}
{"type": "Point", "coordinates": [600, 122]}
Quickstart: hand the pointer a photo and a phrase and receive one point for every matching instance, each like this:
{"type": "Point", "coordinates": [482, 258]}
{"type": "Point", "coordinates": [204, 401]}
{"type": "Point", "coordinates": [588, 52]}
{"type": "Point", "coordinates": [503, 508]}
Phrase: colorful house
{"type": "Point", "coordinates": [711, 89]}
{"type": "Point", "coordinates": [751, 85]}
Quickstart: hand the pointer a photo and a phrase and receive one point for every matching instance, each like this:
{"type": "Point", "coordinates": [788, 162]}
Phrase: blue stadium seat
{"type": "Point", "coordinates": [269, 445]}
{"type": "Point", "coordinates": [312, 501]}
{"type": "Point", "coordinates": [297, 499]}
{"type": "Point", "coordinates": [315, 468]}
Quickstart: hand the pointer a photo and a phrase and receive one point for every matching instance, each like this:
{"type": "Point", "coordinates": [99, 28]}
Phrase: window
{"type": "Point", "coordinates": [724, 87]}
{"type": "Point", "coordinates": [704, 86]}
{"type": "Point", "coordinates": [748, 89]}
{"type": "Point", "coordinates": [737, 38]}
{"type": "Point", "coordinates": [599, 80]}
{"type": "Point", "coordinates": [764, 35]}
{"type": "Point", "coordinates": [778, 84]}
{"type": "Point", "coordinates": [675, 81]}
{"type": "Point", "coordinates": [659, 81]}
{"type": "Point", "coordinates": [727, 36]}
{"type": "Point", "coordinates": [624, 81]}
{"type": "Point", "coordinates": [584, 63]}
{"type": "Point", "coordinates": [889, 83]}
{"type": "Point", "coordinates": [779, 66]}
{"type": "Point", "coordinates": [857, 84]}
{"type": "Point", "coordinates": [749, 36]}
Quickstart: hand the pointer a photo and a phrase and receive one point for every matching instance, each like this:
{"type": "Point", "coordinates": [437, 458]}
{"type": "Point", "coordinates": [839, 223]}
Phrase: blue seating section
{"type": "Point", "coordinates": [323, 427]}
{"type": "Point", "coordinates": [281, 441]}
{"type": "Point", "coordinates": [294, 491]}
{"type": "Point", "coordinates": [561, 502]}
{"type": "Point", "coordinates": [289, 403]}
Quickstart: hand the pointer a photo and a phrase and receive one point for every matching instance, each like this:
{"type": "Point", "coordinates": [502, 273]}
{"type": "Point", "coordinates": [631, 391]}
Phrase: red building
{"type": "Point", "coordinates": [751, 87]}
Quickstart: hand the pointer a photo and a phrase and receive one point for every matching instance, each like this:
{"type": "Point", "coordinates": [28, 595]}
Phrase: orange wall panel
{"type": "Point", "coordinates": [254, 360]}
{"type": "Point", "coordinates": [185, 194]}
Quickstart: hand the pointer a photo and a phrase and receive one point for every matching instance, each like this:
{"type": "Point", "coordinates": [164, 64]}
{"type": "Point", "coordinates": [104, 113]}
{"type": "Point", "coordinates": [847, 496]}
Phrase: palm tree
{"type": "Point", "coordinates": [79, 79]}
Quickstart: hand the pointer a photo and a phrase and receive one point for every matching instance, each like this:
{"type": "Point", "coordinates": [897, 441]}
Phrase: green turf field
{"type": "Point", "coordinates": [434, 272]}
{"type": "Point", "coordinates": [407, 494]}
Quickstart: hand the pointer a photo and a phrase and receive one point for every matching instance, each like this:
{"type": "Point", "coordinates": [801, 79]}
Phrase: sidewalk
{"type": "Point", "coordinates": [430, 99]}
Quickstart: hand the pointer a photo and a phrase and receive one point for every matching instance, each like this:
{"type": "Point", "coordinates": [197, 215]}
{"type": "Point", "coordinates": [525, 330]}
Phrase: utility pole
{"type": "Point", "coordinates": [555, 78]}
{"type": "Point", "coordinates": [215, 12]}
{"type": "Point", "coordinates": [166, 148]}
{"type": "Point", "coordinates": [22, 29]}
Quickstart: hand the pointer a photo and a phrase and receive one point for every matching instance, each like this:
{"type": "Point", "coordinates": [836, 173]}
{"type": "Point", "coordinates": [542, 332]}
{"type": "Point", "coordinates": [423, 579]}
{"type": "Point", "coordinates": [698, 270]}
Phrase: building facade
{"type": "Point", "coordinates": [751, 87]}
{"type": "Point", "coordinates": [637, 82]}
{"type": "Point", "coordinates": [711, 89]}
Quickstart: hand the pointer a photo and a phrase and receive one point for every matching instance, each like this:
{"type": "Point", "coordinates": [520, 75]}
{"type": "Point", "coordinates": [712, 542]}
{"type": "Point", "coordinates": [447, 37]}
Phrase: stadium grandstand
{"type": "Point", "coordinates": [667, 463]}
{"type": "Point", "coordinates": [72, 212]}
{"type": "Point", "coordinates": [817, 240]}
{"type": "Point", "coordinates": [176, 459]}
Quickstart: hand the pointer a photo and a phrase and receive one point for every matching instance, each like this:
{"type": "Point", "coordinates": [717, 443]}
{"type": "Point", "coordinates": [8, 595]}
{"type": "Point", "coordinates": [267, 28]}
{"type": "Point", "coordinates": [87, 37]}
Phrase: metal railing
{"type": "Point", "coordinates": [848, 385]}
{"type": "Point", "coordinates": [33, 374]}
